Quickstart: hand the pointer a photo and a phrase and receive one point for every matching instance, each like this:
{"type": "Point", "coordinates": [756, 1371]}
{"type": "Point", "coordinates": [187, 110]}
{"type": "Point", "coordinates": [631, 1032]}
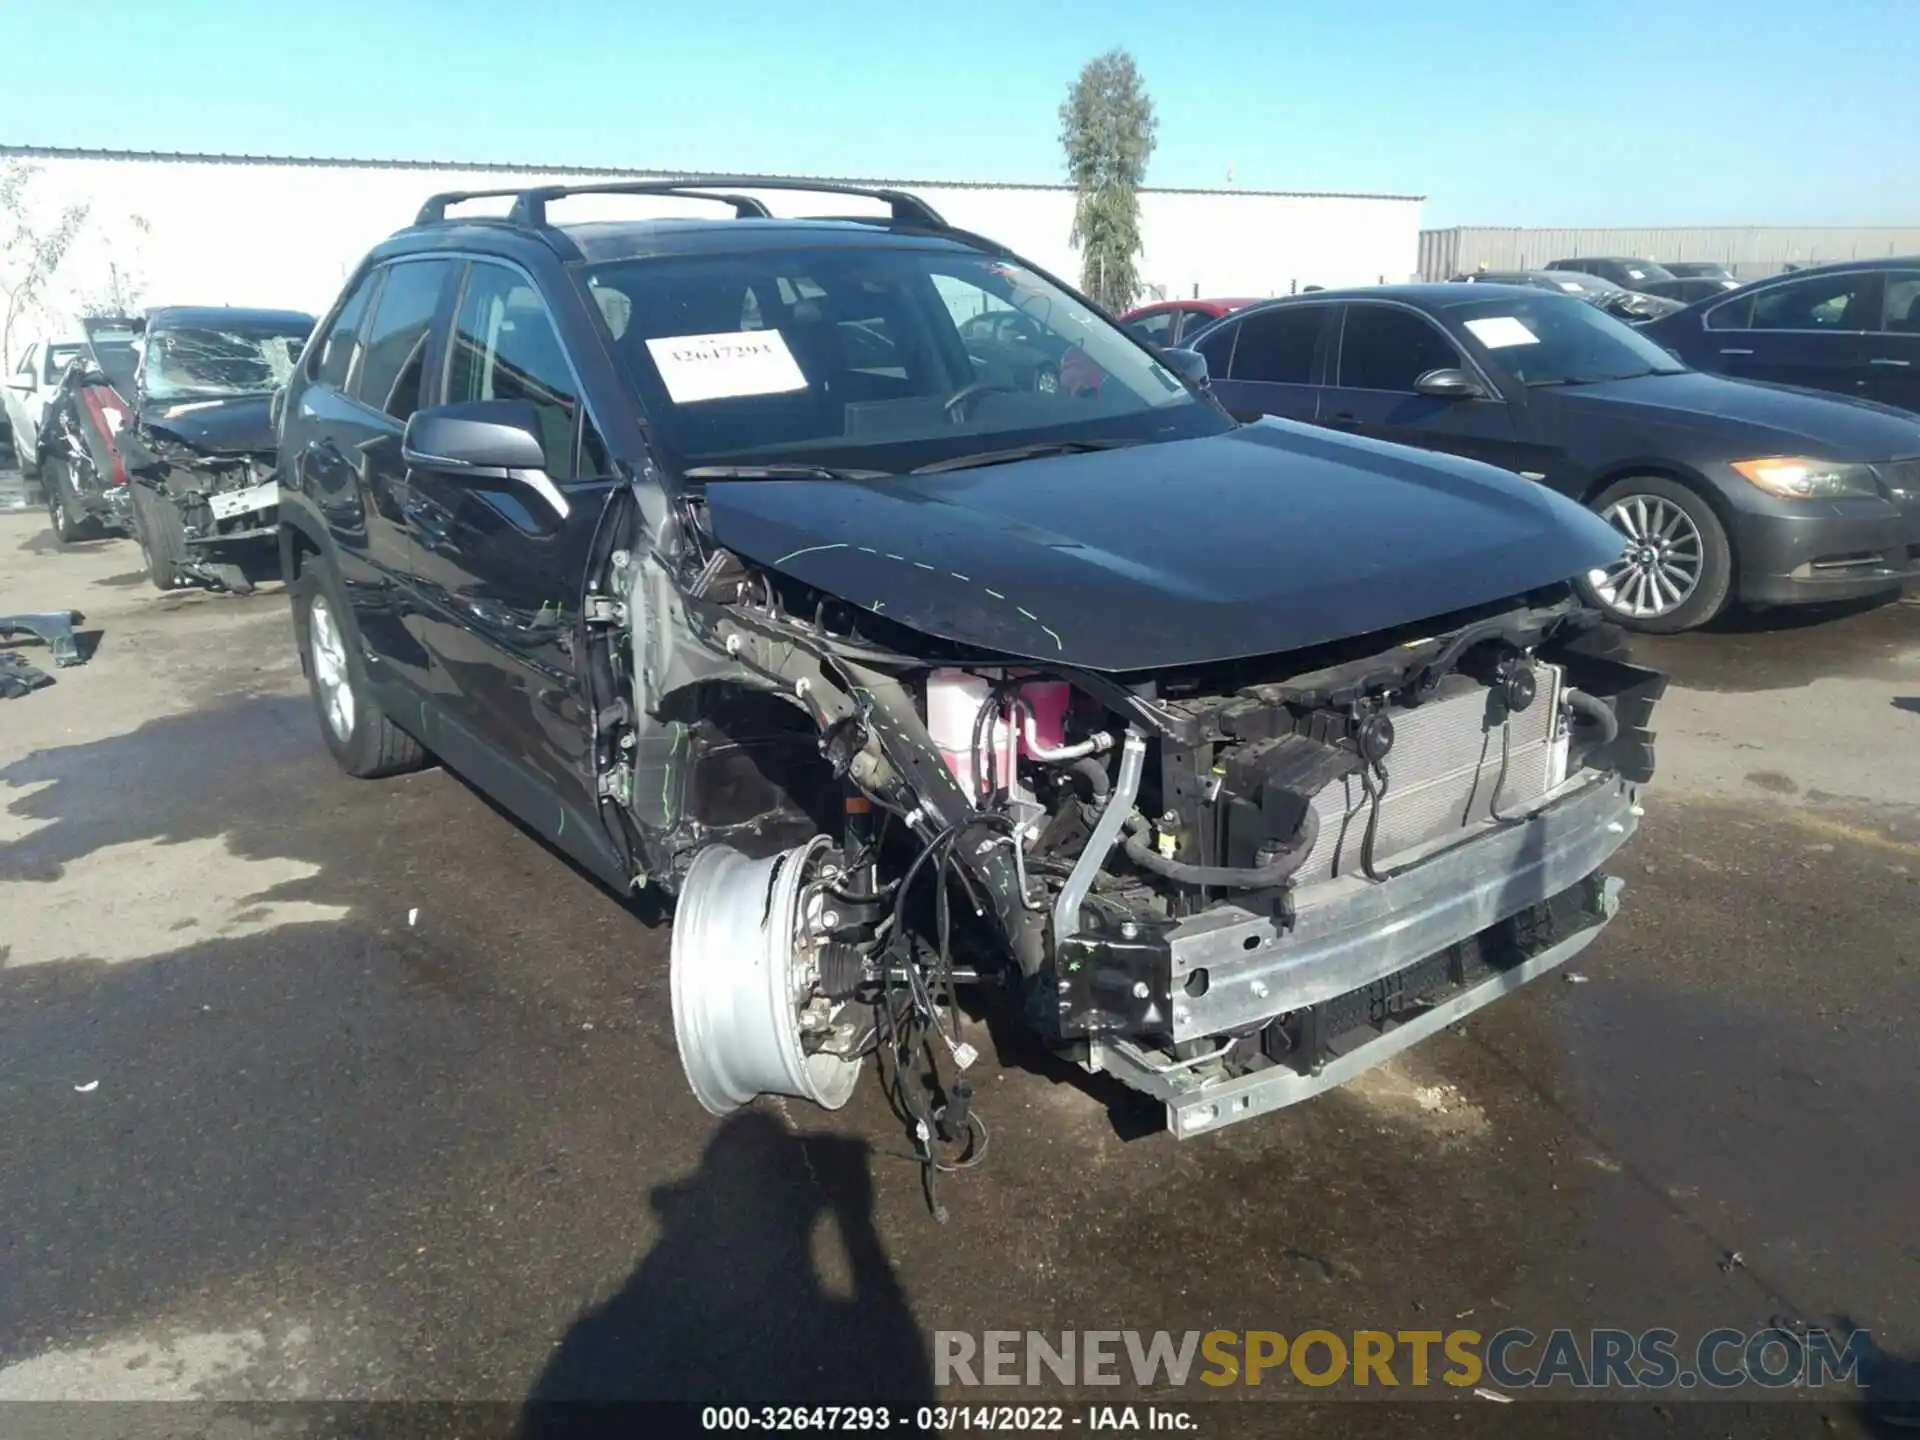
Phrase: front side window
{"type": "Point", "coordinates": [390, 370]}
{"type": "Point", "coordinates": [211, 364]}
{"type": "Point", "coordinates": [342, 343]}
{"type": "Point", "coordinates": [1384, 348]}
{"type": "Point", "coordinates": [1218, 345]}
{"type": "Point", "coordinates": [504, 347]}
{"type": "Point", "coordinates": [873, 356]}
{"type": "Point", "coordinates": [1902, 313]}
{"type": "Point", "coordinates": [1821, 302]}
{"type": "Point", "coordinates": [1734, 315]}
{"type": "Point", "coordinates": [1556, 340]}
{"type": "Point", "coordinates": [58, 358]}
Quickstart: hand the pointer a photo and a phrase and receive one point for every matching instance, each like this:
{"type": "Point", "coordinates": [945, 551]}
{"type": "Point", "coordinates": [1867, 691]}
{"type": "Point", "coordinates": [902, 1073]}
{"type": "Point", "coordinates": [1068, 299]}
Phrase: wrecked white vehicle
{"type": "Point", "coordinates": [1230, 759]}
{"type": "Point", "coordinates": [202, 502]}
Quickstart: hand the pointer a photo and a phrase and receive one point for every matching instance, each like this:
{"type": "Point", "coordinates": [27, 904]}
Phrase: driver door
{"type": "Point", "coordinates": [499, 571]}
{"type": "Point", "coordinates": [1382, 351]}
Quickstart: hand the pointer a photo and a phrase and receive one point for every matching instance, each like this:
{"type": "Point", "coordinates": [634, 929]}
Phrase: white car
{"type": "Point", "coordinates": [28, 389]}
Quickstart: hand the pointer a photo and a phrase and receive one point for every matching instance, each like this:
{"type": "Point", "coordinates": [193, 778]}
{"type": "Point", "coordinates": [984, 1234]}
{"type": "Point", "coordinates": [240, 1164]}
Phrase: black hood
{"type": "Point", "coordinates": [237, 426]}
{"type": "Point", "coordinates": [1754, 417]}
{"type": "Point", "coordinates": [1262, 540]}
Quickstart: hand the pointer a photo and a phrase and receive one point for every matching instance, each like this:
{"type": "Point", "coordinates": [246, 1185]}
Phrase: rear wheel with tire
{"type": "Point", "coordinates": [1676, 571]}
{"type": "Point", "coordinates": [161, 535]}
{"type": "Point", "coordinates": [358, 732]}
{"type": "Point", "coordinates": [59, 487]}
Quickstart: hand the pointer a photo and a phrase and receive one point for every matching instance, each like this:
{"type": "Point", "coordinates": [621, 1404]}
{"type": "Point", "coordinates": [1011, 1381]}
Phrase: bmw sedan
{"type": "Point", "coordinates": [1852, 328]}
{"type": "Point", "coordinates": [1723, 491]}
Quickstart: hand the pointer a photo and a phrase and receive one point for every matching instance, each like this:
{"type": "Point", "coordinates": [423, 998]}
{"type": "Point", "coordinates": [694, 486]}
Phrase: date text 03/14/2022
{"type": "Point", "coordinates": [942, 1419]}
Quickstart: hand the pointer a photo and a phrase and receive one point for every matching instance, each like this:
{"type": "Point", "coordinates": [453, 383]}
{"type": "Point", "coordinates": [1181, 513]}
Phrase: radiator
{"type": "Point", "coordinates": [1441, 774]}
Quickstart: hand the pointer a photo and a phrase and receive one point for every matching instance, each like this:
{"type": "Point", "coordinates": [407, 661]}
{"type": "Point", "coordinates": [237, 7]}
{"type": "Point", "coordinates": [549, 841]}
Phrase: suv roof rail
{"type": "Point", "coordinates": [435, 210]}
{"type": "Point", "coordinates": [530, 202]}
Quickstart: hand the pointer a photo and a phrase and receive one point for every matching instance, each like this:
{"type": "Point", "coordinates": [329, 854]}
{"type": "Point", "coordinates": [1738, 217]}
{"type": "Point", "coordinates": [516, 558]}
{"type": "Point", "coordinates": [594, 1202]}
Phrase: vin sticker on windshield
{"type": "Point", "coordinates": [1496, 332]}
{"type": "Point", "coordinates": [725, 366]}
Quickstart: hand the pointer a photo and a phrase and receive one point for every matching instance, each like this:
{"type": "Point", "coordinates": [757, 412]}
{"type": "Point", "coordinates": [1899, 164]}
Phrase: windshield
{"type": "Point", "coordinates": [1558, 340]}
{"type": "Point", "coordinates": [207, 364]}
{"type": "Point", "coordinates": [877, 358]}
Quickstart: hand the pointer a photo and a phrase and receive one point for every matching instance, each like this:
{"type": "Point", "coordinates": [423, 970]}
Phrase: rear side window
{"type": "Point", "coordinates": [396, 350]}
{"type": "Point", "coordinates": [1382, 348]}
{"type": "Point", "coordinates": [504, 347]}
{"type": "Point", "coordinates": [1277, 346]}
{"type": "Point", "coordinates": [335, 361]}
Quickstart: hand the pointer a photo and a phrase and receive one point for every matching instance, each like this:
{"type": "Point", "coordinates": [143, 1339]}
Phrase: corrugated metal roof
{"type": "Point", "coordinates": [188, 157]}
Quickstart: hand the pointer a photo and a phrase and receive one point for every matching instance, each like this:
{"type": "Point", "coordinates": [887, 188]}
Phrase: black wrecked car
{"type": "Point", "coordinates": [1228, 759]}
{"type": "Point", "coordinates": [1723, 491]}
{"type": "Point", "coordinates": [199, 451]}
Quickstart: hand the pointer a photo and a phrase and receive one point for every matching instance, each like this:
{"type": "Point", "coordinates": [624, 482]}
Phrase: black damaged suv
{"type": "Point", "coordinates": [1231, 758]}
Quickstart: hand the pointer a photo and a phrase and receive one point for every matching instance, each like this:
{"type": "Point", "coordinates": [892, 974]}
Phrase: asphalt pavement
{"type": "Point", "coordinates": [315, 1088]}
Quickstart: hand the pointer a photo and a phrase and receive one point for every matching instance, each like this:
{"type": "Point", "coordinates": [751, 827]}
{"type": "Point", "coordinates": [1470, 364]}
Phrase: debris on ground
{"type": "Point", "coordinates": [54, 628]}
{"type": "Point", "coordinates": [18, 678]}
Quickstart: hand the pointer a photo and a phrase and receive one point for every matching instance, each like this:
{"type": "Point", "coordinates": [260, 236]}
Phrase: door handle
{"type": "Point", "coordinates": [1882, 360]}
{"type": "Point", "coordinates": [1736, 352]}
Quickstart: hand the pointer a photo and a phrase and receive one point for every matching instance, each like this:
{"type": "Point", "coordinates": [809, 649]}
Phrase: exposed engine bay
{"type": "Point", "coordinates": [227, 505]}
{"type": "Point", "coordinates": [196, 436]}
{"type": "Point", "coordinates": [1230, 885]}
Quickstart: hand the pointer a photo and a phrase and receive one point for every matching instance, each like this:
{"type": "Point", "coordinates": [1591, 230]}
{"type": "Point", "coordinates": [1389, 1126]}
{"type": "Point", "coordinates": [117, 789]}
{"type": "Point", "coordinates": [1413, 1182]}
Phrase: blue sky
{"type": "Point", "coordinates": [1500, 111]}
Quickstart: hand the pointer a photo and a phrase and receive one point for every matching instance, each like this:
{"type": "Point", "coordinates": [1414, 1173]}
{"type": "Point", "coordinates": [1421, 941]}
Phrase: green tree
{"type": "Point", "coordinates": [1107, 129]}
{"type": "Point", "coordinates": [29, 253]}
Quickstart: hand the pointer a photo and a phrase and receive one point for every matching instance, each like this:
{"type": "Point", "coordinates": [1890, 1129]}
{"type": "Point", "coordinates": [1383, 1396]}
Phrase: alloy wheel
{"type": "Point", "coordinates": [1661, 566]}
{"type": "Point", "coordinates": [329, 655]}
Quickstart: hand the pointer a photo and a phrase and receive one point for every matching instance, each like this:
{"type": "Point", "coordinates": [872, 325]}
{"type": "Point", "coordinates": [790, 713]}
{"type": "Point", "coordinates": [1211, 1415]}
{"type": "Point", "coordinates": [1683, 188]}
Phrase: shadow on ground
{"type": "Point", "coordinates": [732, 1301]}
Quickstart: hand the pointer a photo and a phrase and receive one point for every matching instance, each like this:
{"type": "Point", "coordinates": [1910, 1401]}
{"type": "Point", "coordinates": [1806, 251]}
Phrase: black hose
{"type": "Point", "coordinates": [1224, 877]}
{"type": "Point", "coordinates": [1598, 712]}
{"type": "Point", "coordinates": [1095, 771]}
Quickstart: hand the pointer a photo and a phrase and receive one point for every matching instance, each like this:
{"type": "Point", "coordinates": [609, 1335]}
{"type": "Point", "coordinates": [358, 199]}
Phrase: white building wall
{"type": "Point", "coordinates": [286, 233]}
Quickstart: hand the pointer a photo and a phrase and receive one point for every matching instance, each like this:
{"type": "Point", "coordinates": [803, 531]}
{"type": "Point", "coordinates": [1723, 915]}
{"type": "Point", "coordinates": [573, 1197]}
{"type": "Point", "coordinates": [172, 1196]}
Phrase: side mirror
{"type": "Point", "coordinates": [1448, 384]}
{"type": "Point", "coordinates": [1189, 365]}
{"type": "Point", "coordinates": [483, 441]}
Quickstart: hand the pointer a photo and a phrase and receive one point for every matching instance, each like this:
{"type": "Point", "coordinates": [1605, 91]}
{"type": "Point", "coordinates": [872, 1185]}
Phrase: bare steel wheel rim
{"type": "Point", "coordinates": [329, 653]}
{"type": "Point", "coordinates": [1661, 566]}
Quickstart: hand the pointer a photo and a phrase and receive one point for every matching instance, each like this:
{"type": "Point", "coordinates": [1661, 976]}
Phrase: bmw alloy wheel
{"type": "Point", "coordinates": [1660, 568]}
{"type": "Point", "coordinates": [329, 654]}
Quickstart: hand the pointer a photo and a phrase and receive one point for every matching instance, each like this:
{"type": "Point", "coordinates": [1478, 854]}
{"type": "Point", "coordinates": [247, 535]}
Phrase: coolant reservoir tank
{"type": "Point", "coordinates": [954, 702]}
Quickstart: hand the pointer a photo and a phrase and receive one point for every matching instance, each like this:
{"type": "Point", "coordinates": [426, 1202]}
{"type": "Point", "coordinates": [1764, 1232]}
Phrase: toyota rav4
{"type": "Point", "coordinates": [1231, 759]}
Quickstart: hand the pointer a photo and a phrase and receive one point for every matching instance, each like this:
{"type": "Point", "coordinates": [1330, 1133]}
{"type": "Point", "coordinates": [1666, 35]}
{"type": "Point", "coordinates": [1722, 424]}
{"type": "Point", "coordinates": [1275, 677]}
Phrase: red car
{"type": "Point", "coordinates": [1170, 322]}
